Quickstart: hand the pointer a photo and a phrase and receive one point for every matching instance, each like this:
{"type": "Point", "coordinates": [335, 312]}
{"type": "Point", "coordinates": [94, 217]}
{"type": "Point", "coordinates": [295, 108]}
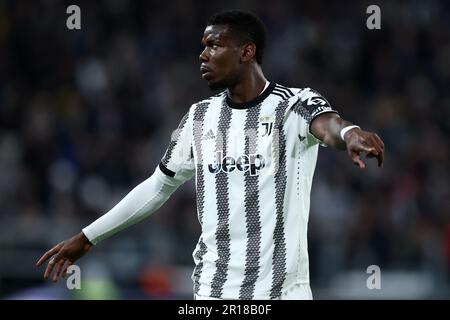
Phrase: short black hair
{"type": "Point", "coordinates": [245, 26]}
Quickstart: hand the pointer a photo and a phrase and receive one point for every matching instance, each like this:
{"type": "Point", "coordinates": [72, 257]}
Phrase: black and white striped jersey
{"type": "Point", "coordinates": [254, 166]}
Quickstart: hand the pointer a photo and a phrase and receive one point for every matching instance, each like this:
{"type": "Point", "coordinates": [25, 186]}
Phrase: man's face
{"type": "Point", "coordinates": [220, 60]}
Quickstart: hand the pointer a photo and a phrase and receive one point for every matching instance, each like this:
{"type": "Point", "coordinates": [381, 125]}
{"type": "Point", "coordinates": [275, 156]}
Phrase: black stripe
{"type": "Point", "coordinates": [199, 116]}
{"type": "Point", "coordinates": [282, 97]}
{"type": "Point", "coordinates": [199, 267]}
{"type": "Point", "coordinates": [166, 171]}
{"type": "Point", "coordinates": [283, 93]}
{"type": "Point", "coordinates": [252, 210]}
{"type": "Point", "coordinates": [287, 94]}
{"type": "Point", "coordinates": [174, 141]}
{"type": "Point", "coordinates": [285, 88]}
{"type": "Point", "coordinates": [223, 209]}
{"type": "Point", "coordinates": [279, 251]}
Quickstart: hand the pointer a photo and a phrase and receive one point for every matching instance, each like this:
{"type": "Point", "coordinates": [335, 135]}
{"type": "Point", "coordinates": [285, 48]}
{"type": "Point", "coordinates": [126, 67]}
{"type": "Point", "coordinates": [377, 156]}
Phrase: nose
{"type": "Point", "coordinates": [203, 56]}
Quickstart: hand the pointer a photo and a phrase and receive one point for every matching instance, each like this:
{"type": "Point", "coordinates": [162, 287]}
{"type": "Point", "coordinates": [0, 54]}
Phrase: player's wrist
{"type": "Point", "coordinates": [85, 239]}
{"type": "Point", "coordinates": [346, 129]}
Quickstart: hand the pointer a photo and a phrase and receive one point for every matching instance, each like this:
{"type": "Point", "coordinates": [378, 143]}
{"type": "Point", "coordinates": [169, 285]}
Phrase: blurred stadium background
{"type": "Point", "coordinates": [86, 115]}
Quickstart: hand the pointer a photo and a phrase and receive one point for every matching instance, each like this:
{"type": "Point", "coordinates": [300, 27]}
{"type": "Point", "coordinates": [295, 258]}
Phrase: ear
{"type": "Point", "coordinates": [248, 52]}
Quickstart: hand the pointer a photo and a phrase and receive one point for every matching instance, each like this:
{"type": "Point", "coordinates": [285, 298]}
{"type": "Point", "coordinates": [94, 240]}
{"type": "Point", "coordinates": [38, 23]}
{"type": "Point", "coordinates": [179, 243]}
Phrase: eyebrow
{"type": "Point", "coordinates": [210, 39]}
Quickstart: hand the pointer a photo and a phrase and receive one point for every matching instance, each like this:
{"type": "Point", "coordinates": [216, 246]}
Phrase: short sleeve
{"type": "Point", "coordinates": [308, 106]}
{"type": "Point", "coordinates": [178, 161]}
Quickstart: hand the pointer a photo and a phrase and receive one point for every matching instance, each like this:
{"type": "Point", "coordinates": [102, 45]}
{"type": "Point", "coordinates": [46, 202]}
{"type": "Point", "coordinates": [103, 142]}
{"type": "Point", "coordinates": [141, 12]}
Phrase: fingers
{"type": "Point", "coordinates": [380, 158]}
{"type": "Point", "coordinates": [378, 139]}
{"type": "Point", "coordinates": [59, 262]}
{"type": "Point", "coordinates": [64, 272]}
{"type": "Point", "coordinates": [378, 151]}
{"type": "Point", "coordinates": [380, 147]}
{"type": "Point", "coordinates": [369, 143]}
{"type": "Point", "coordinates": [59, 267]}
{"type": "Point", "coordinates": [49, 269]}
{"type": "Point", "coordinates": [357, 160]}
{"type": "Point", "coordinates": [373, 147]}
{"type": "Point", "coordinates": [48, 254]}
{"type": "Point", "coordinates": [51, 264]}
{"type": "Point", "coordinates": [365, 147]}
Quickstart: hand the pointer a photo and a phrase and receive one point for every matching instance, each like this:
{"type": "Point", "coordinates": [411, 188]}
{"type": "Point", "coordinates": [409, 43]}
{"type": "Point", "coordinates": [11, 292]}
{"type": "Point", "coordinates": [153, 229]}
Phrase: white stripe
{"type": "Point", "coordinates": [238, 234]}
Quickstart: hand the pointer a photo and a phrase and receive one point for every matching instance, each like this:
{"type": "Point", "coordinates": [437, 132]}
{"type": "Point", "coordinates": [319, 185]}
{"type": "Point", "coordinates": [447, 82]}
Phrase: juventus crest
{"type": "Point", "coordinates": [267, 125]}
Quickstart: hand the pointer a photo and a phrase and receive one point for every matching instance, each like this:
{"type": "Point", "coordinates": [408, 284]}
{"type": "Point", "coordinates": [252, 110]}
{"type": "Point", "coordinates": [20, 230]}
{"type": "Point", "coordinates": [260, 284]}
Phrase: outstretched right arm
{"type": "Point", "coordinates": [176, 167]}
{"type": "Point", "coordinates": [142, 201]}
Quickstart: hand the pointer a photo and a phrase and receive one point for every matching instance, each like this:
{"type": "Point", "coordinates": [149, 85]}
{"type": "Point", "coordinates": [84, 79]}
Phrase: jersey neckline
{"type": "Point", "coordinates": [253, 102]}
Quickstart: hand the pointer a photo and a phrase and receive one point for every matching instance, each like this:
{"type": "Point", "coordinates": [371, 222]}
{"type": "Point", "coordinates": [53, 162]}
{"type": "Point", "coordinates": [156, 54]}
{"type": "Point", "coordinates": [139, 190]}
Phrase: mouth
{"type": "Point", "coordinates": [206, 72]}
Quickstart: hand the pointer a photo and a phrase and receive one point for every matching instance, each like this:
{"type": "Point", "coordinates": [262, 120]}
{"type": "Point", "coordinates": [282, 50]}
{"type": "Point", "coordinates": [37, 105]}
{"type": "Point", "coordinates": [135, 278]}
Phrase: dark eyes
{"type": "Point", "coordinates": [212, 45]}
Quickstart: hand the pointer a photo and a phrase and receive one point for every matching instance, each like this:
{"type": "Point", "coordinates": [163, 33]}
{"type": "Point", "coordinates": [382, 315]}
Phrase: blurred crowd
{"type": "Point", "coordinates": [85, 115]}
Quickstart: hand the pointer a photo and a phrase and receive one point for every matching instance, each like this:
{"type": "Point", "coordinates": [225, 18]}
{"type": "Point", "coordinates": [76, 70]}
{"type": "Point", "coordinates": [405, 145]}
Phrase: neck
{"type": "Point", "coordinates": [248, 87]}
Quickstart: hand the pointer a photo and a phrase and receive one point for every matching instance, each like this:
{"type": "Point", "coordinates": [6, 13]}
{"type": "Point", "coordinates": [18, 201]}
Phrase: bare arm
{"type": "Point", "coordinates": [327, 127]}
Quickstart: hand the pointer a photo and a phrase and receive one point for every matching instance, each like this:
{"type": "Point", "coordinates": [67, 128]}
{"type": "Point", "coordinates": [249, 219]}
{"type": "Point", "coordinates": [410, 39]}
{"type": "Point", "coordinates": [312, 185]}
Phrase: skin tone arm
{"type": "Point", "coordinates": [327, 127]}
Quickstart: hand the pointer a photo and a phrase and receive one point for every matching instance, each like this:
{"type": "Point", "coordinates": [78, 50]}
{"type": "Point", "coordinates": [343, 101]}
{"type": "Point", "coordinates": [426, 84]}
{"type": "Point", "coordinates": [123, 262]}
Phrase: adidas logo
{"type": "Point", "coordinates": [209, 135]}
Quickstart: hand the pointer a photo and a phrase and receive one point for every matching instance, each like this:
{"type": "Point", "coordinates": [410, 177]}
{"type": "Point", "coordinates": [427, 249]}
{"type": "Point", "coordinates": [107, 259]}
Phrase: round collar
{"type": "Point", "coordinates": [253, 102]}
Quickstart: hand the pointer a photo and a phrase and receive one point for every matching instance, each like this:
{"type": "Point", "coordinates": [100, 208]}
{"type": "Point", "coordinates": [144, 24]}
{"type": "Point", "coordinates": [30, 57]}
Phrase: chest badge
{"type": "Point", "coordinates": [267, 125]}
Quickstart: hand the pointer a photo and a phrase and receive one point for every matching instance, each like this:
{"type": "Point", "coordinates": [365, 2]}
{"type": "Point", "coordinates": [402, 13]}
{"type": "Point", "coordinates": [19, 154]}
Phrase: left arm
{"type": "Point", "coordinates": [327, 127]}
